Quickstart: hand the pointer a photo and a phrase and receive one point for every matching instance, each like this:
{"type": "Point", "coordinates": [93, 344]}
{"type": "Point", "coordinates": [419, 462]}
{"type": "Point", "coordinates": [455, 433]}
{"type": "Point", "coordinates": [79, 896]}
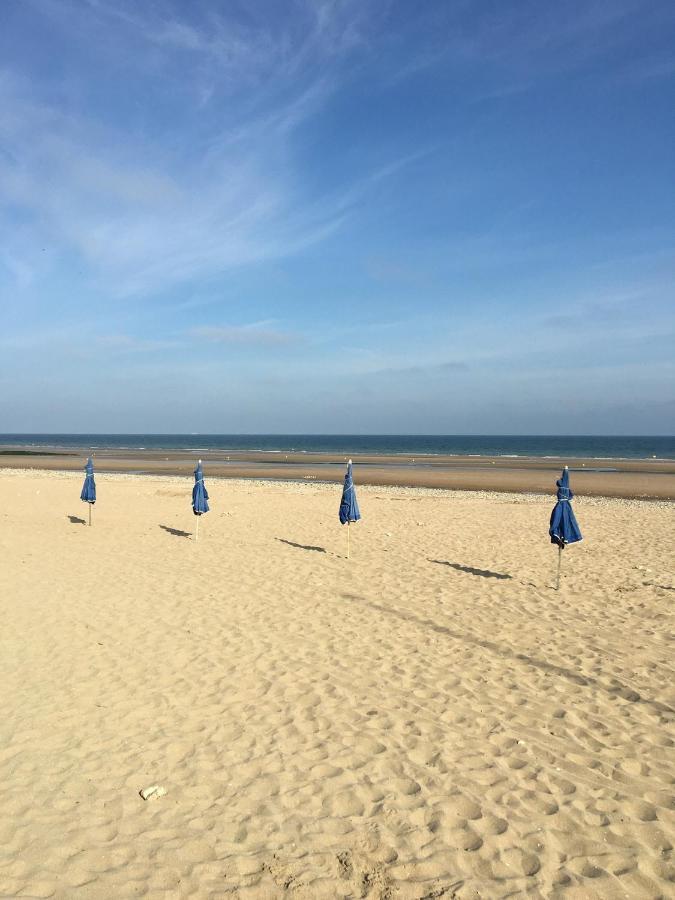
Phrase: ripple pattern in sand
{"type": "Point", "coordinates": [391, 726]}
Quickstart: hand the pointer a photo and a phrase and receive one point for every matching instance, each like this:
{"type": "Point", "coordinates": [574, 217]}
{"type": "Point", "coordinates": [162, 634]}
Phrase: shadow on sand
{"type": "Point", "coordinates": [76, 520]}
{"type": "Point", "coordinates": [615, 689]}
{"type": "Point", "coordinates": [302, 546]}
{"type": "Point", "coordinates": [176, 531]}
{"type": "Point", "coordinates": [482, 573]}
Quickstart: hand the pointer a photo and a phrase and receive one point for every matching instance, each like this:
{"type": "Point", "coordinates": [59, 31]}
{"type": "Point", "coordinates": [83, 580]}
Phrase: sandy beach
{"type": "Point", "coordinates": [426, 719]}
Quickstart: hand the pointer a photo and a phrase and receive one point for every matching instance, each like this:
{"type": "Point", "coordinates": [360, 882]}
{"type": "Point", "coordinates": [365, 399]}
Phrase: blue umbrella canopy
{"type": "Point", "coordinates": [564, 528]}
{"type": "Point", "coordinates": [200, 496]}
{"type": "Point", "coordinates": [89, 487]}
{"type": "Point", "coordinates": [349, 508]}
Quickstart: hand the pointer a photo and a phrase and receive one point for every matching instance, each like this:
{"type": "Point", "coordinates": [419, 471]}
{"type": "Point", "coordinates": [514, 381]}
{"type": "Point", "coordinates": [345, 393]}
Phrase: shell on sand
{"type": "Point", "coordinates": [428, 718]}
{"type": "Point", "coordinates": [153, 792]}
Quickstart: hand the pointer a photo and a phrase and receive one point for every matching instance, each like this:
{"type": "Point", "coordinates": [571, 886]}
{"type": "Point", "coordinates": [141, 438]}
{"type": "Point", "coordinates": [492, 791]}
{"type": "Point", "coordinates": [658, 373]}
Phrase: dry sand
{"type": "Point", "coordinates": [427, 719]}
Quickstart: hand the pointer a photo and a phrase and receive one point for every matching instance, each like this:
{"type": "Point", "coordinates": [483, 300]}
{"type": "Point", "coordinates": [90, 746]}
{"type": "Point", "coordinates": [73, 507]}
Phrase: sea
{"type": "Point", "coordinates": [542, 446]}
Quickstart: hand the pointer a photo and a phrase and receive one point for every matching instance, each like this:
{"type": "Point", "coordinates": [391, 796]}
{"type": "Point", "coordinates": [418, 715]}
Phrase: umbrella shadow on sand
{"type": "Point", "coordinates": [76, 520]}
{"type": "Point", "coordinates": [615, 689]}
{"type": "Point", "coordinates": [482, 573]}
{"type": "Point", "coordinates": [302, 546]}
{"type": "Point", "coordinates": [176, 531]}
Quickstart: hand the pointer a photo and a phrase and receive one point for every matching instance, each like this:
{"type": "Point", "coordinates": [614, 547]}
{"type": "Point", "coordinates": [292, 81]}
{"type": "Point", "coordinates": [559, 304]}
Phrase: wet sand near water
{"type": "Point", "coordinates": [646, 479]}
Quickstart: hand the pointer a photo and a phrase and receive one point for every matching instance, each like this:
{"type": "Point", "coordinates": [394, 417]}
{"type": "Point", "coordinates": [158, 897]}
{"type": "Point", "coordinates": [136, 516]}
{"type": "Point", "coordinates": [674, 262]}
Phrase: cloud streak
{"type": "Point", "coordinates": [216, 191]}
{"type": "Point", "coordinates": [257, 333]}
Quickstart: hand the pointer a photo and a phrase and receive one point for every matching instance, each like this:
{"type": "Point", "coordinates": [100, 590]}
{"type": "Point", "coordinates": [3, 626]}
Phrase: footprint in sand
{"type": "Point", "coordinates": [645, 812]}
{"type": "Point", "coordinates": [491, 825]}
{"type": "Point", "coordinates": [344, 804]}
{"type": "Point", "coordinates": [520, 861]}
{"type": "Point", "coordinates": [458, 807]}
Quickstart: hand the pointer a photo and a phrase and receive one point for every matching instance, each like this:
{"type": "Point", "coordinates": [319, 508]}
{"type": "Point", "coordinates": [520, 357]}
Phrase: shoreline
{"type": "Point", "coordinates": [626, 479]}
{"type": "Point", "coordinates": [391, 457]}
{"type": "Point", "coordinates": [263, 455]}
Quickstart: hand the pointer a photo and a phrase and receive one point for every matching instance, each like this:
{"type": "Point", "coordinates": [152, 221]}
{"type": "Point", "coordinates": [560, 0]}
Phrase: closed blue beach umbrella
{"type": "Point", "coordinates": [200, 496]}
{"type": "Point", "coordinates": [88, 493]}
{"type": "Point", "coordinates": [349, 507]}
{"type": "Point", "coordinates": [564, 528]}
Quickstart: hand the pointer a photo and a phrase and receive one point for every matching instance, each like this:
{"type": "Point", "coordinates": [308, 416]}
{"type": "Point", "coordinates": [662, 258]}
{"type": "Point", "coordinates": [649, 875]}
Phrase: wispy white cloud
{"type": "Point", "coordinates": [220, 49]}
{"type": "Point", "coordinates": [144, 212]}
{"type": "Point", "coordinates": [126, 343]}
{"type": "Point", "coordinates": [433, 370]}
{"type": "Point", "coordinates": [512, 47]}
{"type": "Point", "coordinates": [61, 337]}
{"type": "Point", "coordinates": [260, 333]}
{"type": "Point", "coordinates": [651, 69]}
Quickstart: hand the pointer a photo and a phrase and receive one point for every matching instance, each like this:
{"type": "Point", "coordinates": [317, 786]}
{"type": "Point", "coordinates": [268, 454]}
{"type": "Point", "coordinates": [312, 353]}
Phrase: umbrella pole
{"type": "Point", "coordinates": [347, 540]}
{"type": "Point", "coordinates": [197, 529]}
{"type": "Point", "coordinates": [557, 578]}
{"type": "Point", "coordinates": [89, 505]}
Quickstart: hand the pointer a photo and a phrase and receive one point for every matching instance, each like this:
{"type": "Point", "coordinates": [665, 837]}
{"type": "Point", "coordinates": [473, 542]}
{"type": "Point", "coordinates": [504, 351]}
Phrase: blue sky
{"type": "Point", "coordinates": [298, 216]}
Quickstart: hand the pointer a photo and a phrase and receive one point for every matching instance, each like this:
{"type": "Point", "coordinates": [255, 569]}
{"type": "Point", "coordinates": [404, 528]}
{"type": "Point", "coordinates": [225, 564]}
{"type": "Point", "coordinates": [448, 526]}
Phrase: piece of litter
{"type": "Point", "coordinates": [152, 792]}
